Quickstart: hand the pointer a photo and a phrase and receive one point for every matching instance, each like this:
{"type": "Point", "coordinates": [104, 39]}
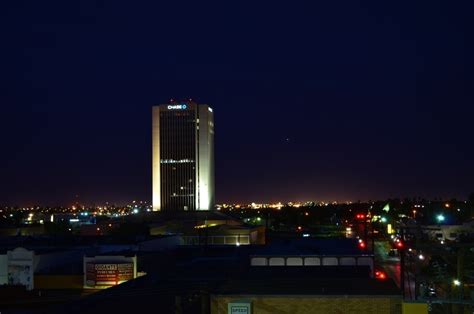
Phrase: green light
{"type": "Point", "coordinates": [440, 217]}
{"type": "Point", "coordinates": [383, 219]}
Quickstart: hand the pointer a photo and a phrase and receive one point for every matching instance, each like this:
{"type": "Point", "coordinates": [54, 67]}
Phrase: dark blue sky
{"type": "Point", "coordinates": [376, 98]}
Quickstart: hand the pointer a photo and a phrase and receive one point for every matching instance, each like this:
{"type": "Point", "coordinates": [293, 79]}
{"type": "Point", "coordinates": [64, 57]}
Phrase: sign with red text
{"type": "Point", "coordinates": [107, 275]}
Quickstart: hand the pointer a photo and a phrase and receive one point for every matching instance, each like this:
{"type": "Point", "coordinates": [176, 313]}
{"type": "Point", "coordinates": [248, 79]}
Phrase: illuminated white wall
{"type": "Point", "coordinates": [206, 158]}
{"type": "Point", "coordinates": [156, 159]}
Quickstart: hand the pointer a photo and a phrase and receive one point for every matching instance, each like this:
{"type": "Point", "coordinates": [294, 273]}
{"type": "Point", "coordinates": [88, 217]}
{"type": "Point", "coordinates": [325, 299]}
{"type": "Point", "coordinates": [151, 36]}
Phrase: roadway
{"type": "Point", "coordinates": [391, 265]}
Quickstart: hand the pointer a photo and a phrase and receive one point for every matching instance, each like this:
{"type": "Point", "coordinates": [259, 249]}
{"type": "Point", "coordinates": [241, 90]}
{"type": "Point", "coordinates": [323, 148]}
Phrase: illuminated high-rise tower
{"type": "Point", "coordinates": [183, 156]}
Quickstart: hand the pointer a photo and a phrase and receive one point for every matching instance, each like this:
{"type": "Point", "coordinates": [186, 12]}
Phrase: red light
{"type": "Point", "coordinates": [399, 244]}
{"type": "Point", "coordinates": [362, 245]}
{"type": "Point", "coordinates": [380, 275]}
{"type": "Point", "coordinates": [360, 216]}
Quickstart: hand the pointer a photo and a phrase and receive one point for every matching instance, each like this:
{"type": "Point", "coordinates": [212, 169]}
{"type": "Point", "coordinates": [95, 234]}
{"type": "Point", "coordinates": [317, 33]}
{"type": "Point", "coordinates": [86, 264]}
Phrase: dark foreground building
{"type": "Point", "coordinates": [231, 279]}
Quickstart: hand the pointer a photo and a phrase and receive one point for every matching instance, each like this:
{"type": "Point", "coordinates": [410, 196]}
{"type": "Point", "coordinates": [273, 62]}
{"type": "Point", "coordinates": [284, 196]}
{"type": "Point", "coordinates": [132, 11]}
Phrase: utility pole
{"type": "Point", "coordinates": [373, 240]}
{"type": "Point", "coordinates": [365, 229]}
{"type": "Point", "coordinates": [460, 274]}
{"type": "Point", "coordinates": [178, 308]}
{"type": "Point", "coordinates": [402, 265]}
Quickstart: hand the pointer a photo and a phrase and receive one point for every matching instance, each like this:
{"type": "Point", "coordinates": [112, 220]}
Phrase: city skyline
{"type": "Point", "coordinates": [314, 102]}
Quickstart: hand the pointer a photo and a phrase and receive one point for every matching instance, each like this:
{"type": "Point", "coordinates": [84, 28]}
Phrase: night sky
{"type": "Point", "coordinates": [328, 100]}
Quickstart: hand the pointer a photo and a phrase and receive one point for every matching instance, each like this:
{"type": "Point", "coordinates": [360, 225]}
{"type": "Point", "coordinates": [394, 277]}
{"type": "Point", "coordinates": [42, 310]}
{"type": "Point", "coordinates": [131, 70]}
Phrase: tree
{"type": "Point", "coordinates": [471, 198]}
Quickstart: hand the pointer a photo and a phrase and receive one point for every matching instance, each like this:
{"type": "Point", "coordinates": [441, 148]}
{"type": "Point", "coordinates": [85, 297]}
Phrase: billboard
{"type": "Point", "coordinates": [20, 275]}
{"type": "Point", "coordinates": [20, 268]}
{"type": "Point", "coordinates": [104, 275]}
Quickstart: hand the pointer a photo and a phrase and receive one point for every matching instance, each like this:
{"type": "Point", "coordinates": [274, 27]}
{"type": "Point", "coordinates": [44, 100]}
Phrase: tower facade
{"type": "Point", "coordinates": [183, 156]}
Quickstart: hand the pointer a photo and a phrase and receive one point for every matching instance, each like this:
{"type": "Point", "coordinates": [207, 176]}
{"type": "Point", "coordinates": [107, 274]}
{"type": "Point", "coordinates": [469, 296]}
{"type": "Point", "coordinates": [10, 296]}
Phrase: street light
{"type": "Point", "coordinates": [440, 218]}
{"type": "Point", "coordinates": [456, 282]}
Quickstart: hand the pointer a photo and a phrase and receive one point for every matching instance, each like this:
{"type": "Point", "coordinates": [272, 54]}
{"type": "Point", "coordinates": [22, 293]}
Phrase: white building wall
{"type": "Point", "coordinates": [206, 158]}
{"type": "Point", "coordinates": [156, 159]}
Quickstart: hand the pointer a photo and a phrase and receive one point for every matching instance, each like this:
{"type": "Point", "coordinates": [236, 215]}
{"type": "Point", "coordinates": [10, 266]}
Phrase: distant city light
{"type": "Point", "coordinates": [456, 282]}
{"type": "Point", "coordinates": [421, 257]}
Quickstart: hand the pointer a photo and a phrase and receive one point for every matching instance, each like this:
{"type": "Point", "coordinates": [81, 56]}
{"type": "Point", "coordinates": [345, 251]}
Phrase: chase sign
{"type": "Point", "coordinates": [177, 107]}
